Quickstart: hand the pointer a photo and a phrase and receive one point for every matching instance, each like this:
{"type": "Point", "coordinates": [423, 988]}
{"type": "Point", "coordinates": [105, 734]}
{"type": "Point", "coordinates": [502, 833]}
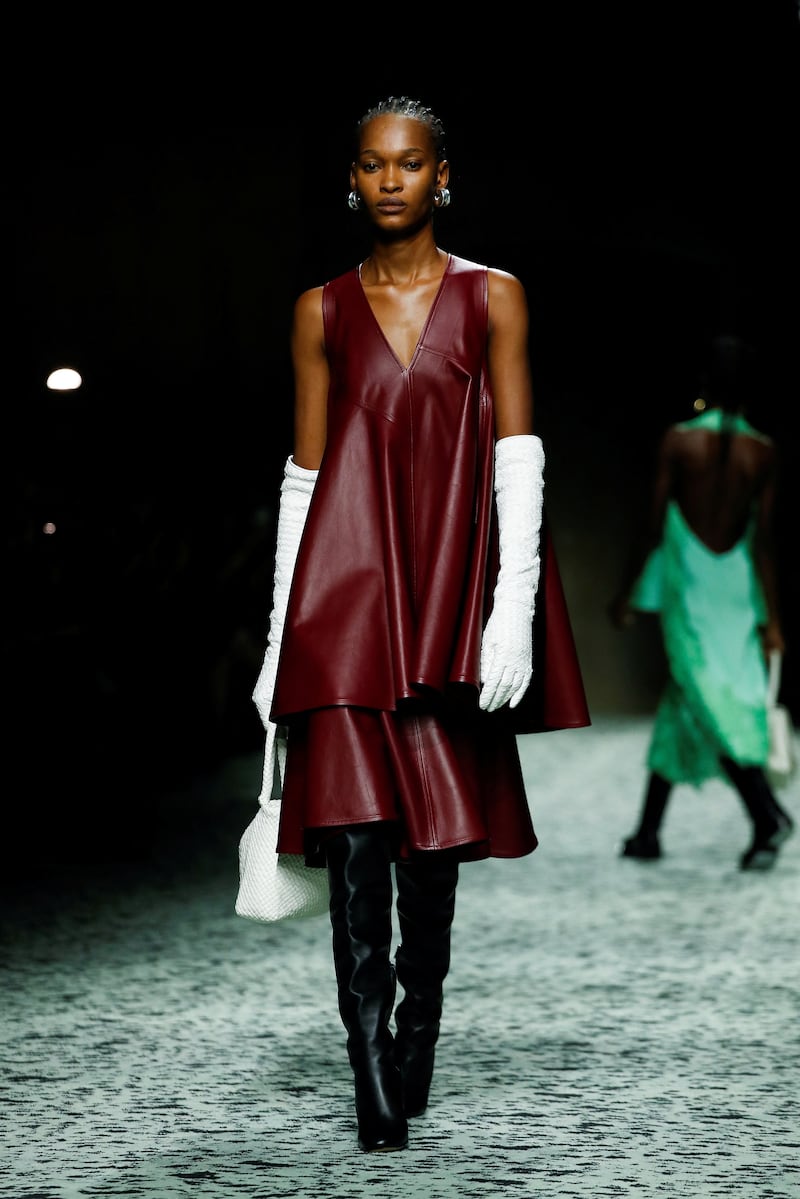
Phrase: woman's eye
{"type": "Point", "coordinates": [413, 165]}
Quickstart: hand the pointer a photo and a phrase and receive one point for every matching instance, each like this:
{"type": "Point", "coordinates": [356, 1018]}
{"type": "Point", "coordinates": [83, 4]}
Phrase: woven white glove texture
{"type": "Point", "coordinates": [507, 643]}
{"type": "Point", "coordinates": [296, 491]}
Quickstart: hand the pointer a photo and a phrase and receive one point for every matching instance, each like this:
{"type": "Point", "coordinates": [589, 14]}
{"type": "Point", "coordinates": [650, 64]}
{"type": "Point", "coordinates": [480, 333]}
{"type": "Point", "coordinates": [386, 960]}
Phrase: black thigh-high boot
{"type": "Point", "coordinates": [426, 897]}
{"type": "Point", "coordinates": [359, 871]}
{"type": "Point", "coordinates": [771, 824]}
{"type": "Point", "coordinates": [644, 843]}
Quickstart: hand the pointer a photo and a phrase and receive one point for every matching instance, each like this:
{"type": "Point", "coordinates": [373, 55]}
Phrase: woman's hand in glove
{"type": "Point", "coordinates": [506, 655]}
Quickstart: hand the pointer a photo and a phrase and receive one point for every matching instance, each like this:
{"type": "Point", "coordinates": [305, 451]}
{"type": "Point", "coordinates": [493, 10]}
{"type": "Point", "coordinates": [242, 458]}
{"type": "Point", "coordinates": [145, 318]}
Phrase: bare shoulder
{"type": "Point", "coordinates": [767, 448]}
{"type": "Point", "coordinates": [676, 443]}
{"type": "Point", "coordinates": [504, 287]}
{"type": "Point", "coordinates": [675, 435]}
{"type": "Point", "coordinates": [308, 305]}
{"type": "Point", "coordinates": [764, 439]}
{"type": "Point", "coordinates": [507, 299]}
{"type": "Point", "coordinates": [307, 324]}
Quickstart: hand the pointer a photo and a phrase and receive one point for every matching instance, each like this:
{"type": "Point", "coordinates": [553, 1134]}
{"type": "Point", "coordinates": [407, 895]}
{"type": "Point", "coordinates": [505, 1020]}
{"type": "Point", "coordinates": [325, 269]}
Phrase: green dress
{"type": "Point", "coordinates": [710, 607]}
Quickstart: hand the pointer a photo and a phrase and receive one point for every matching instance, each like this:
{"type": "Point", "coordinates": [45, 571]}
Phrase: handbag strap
{"type": "Point", "coordinates": [774, 680]}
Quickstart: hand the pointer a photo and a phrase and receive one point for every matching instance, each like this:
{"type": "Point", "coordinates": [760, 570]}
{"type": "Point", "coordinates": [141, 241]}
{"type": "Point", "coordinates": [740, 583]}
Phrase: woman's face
{"type": "Point", "coordinates": [396, 172]}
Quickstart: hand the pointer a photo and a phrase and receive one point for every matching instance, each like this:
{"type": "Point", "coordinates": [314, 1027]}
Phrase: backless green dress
{"type": "Point", "coordinates": [710, 607]}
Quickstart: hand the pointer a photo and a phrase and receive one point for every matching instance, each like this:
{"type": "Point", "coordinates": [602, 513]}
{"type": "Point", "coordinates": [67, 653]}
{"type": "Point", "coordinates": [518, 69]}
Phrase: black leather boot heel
{"type": "Point", "coordinates": [426, 896]}
{"type": "Point", "coordinates": [359, 870]}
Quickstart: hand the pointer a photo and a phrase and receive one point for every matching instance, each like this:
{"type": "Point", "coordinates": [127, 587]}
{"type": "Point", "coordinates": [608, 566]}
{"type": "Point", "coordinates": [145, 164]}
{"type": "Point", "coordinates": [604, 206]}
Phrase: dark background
{"type": "Point", "coordinates": [170, 187]}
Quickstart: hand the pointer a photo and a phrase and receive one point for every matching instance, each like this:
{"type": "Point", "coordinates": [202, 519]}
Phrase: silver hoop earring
{"type": "Point", "coordinates": [354, 201]}
{"type": "Point", "coordinates": [441, 197]}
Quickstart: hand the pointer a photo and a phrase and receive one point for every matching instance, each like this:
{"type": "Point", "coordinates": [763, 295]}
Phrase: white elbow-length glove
{"type": "Point", "coordinates": [507, 643]}
{"type": "Point", "coordinates": [296, 491]}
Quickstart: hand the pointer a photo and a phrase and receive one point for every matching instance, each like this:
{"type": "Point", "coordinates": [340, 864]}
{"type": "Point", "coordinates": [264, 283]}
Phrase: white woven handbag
{"type": "Point", "coordinates": [276, 886]}
{"type": "Point", "coordinates": [782, 761]}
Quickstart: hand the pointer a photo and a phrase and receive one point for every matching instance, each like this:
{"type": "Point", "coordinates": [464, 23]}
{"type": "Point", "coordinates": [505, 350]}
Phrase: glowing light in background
{"type": "Point", "coordinates": [64, 379]}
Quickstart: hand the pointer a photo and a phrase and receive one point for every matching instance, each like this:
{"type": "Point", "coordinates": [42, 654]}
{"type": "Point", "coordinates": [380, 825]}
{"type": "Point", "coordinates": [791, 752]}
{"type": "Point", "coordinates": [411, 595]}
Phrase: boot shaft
{"type": "Point", "coordinates": [426, 894]}
{"type": "Point", "coordinates": [426, 898]}
{"type": "Point", "coordinates": [359, 872]}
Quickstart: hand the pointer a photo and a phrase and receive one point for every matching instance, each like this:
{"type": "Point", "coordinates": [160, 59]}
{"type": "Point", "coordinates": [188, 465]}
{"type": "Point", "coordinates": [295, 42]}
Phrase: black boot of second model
{"type": "Point", "coordinates": [644, 843]}
{"type": "Point", "coordinates": [772, 825]}
{"type": "Point", "coordinates": [426, 897]}
{"type": "Point", "coordinates": [359, 871]}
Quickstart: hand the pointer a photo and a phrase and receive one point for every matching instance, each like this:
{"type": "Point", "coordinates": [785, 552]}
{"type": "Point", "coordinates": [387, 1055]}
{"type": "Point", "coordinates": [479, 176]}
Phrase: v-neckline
{"type": "Point", "coordinates": [425, 323]}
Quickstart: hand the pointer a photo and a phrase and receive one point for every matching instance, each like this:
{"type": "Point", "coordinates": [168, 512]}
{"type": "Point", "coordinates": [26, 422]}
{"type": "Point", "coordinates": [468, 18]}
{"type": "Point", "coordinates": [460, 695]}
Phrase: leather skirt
{"type": "Point", "coordinates": [448, 778]}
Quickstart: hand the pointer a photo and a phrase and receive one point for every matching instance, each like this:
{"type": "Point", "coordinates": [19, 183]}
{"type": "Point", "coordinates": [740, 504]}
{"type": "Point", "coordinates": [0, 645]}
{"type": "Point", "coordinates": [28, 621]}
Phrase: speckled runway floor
{"type": "Point", "coordinates": [611, 1028]}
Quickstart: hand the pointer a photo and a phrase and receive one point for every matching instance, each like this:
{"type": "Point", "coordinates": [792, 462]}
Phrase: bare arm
{"type": "Point", "coordinates": [649, 533]}
{"type": "Point", "coordinates": [311, 379]}
{"type": "Point", "coordinates": [764, 557]}
{"type": "Point", "coordinates": [506, 662]}
{"type": "Point", "coordinates": [509, 362]}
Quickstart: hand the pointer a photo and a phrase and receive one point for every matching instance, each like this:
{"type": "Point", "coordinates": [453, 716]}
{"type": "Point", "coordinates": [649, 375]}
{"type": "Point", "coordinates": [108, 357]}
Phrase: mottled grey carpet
{"type": "Point", "coordinates": [612, 1028]}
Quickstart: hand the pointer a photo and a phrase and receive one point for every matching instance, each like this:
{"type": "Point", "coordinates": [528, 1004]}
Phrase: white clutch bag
{"type": "Point", "coordinates": [782, 761]}
{"type": "Point", "coordinates": [276, 886]}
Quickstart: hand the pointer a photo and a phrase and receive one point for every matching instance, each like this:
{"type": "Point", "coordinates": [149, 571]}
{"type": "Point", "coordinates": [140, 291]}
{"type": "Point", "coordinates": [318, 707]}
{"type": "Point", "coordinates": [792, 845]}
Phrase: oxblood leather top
{"type": "Point", "coordinates": [390, 586]}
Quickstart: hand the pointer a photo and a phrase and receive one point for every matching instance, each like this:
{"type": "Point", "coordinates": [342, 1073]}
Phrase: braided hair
{"type": "Point", "coordinates": [404, 106]}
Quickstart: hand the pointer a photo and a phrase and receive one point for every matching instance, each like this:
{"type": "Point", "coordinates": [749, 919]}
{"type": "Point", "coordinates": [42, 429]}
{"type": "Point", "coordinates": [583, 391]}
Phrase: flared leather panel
{"type": "Point", "coordinates": [556, 698]}
{"type": "Point", "coordinates": [450, 784]}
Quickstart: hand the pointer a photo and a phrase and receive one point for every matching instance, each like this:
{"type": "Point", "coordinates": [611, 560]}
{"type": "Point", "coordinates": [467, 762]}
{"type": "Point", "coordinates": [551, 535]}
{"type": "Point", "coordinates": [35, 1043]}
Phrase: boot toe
{"type": "Point", "coordinates": [386, 1143]}
{"type": "Point", "coordinates": [645, 847]}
